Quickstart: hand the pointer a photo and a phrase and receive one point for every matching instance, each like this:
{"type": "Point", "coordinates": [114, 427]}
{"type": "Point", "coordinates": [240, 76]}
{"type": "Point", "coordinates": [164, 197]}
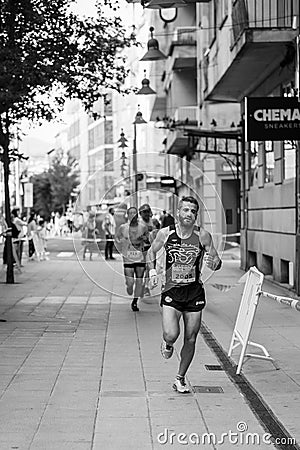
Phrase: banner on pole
{"type": "Point", "coordinates": [28, 195]}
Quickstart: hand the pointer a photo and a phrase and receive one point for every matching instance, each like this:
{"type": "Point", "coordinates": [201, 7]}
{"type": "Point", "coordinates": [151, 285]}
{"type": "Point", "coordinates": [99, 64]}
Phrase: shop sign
{"type": "Point", "coordinates": [272, 118]}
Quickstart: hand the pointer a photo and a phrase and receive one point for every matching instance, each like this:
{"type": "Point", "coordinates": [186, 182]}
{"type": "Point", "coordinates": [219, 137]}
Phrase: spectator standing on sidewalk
{"type": "Point", "coordinates": [41, 244]}
{"type": "Point", "coordinates": [20, 224]}
{"type": "Point", "coordinates": [186, 247]}
{"type": "Point", "coordinates": [31, 233]}
{"type": "Point", "coordinates": [89, 234]}
{"type": "Point", "coordinates": [3, 228]}
{"type": "Point", "coordinates": [109, 227]}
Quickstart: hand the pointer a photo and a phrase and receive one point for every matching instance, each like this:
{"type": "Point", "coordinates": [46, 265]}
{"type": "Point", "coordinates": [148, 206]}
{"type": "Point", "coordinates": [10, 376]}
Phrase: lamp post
{"type": "Point", "coordinates": [137, 121]}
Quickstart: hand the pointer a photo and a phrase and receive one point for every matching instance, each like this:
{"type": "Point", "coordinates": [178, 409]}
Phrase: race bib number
{"type": "Point", "coordinates": [183, 274]}
{"type": "Point", "coordinates": [135, 255]}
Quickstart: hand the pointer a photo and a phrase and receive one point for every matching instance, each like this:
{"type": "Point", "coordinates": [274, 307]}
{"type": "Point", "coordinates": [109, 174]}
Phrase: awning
{"type": "Point", "coordinates": [159, 108]}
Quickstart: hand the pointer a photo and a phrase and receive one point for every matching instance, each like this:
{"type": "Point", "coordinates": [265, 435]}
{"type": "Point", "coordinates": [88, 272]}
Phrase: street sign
{"type": "Point", "coordinates": [28, 195]}
{"type": "Point", "coordinates": [272, 118]}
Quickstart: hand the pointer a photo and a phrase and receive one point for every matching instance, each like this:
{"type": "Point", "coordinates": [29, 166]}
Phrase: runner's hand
{"type": "Point", "coordinates": [209, 261]}
{"type": "Point", "coordinates": [153, 279]}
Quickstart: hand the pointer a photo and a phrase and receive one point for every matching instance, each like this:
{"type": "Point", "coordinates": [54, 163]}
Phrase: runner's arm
{"type": "Point", "coordinates": [211, 258]}
{"type": "Point", "coordinates": [156, 245]}
{"type": "Point", "coordinates": [119, 234]}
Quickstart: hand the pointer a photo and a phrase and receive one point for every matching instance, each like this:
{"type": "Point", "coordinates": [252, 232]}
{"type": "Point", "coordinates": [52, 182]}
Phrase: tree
{"type": "Point", "coordinates": [52, 188]}
{"type": "Point", "coordinates": [42, 198]}
{"type": "Point", "coordinates": [48, 54]}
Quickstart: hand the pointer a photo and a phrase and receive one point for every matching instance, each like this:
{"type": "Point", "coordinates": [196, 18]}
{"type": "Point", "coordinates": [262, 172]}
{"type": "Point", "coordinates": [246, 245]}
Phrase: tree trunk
{"type": "Point", "coordinates": [10, 266]}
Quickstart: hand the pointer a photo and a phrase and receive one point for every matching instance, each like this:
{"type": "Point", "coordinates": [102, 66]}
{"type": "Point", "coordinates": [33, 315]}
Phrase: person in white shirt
{"type": "Point", "coordinates": [21, 236]}
{"type": "Point", "coordinates": [109, 227]}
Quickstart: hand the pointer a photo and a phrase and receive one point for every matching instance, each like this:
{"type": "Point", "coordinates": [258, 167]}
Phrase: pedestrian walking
{"type": "Point", "coordinates": [186, 247]}
{"type": "Point", "coordinates": [109, 227]}
{"type": "Point", "coordinates": [130, 239]}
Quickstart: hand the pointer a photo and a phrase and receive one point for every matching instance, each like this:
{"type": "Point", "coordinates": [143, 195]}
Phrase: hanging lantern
{"type": "Point", "coordinates": [153, 53]}
{"type": "Point", "coordinates": [145, 89]}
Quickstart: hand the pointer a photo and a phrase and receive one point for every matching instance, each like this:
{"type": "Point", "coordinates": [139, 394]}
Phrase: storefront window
{"type": "Point", "coordinates": [270, 162]}
{"type": "Point", "coordinates": [254, 163]}
{"type": "Point", "coordinates": [289, 148]}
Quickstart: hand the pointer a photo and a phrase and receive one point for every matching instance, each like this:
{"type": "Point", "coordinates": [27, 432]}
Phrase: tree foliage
{"type": "Point", "coordinates": [52, 188]}
{"type": "Point", "coordinates": [46, 49]}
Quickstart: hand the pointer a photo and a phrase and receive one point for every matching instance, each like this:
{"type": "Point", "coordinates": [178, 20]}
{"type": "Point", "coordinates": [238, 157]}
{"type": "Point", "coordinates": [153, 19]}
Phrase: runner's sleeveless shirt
{"type": "Point", "coordinates": [183, 258]}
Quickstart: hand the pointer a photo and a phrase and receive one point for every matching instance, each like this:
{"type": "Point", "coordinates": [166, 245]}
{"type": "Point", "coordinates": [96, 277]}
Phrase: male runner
{"type": "Point", "coordinates": [146, 218]}
{"type": "Point", "coordinates": [130, 239]}
{"type": "Point", "coordinates": [186, 245]}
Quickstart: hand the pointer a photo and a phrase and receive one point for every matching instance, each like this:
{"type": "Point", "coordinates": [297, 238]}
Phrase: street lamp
{"type": "Point", "coordinates": [137, 121]}
{"type": "Point", "coordinates": [153, 53]}
{"type": "Point", "coordinates": [146, 89]}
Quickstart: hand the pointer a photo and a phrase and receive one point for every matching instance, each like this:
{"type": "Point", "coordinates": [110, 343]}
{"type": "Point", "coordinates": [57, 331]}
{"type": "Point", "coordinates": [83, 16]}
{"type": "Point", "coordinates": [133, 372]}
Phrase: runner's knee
{"type": "Point", "coordinates": [170, 336]}
{"type": "Point", "coordinates": [190, 338]}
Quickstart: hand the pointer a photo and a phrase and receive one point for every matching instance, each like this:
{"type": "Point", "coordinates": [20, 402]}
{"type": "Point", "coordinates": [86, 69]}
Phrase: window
{"type": "Point", "coordinates": [99, 134]}
{"type": "Point", "coordinates": [91, 139]}
{"type": "Point", "coordinates": [95, 162]}
{"type": "Point", "coordinates": [289, 149]}
{"type": "Point", "coordinates": [108, 159]}
{"type": "Point", "coordinates": [109, 188]}
{"type": "Point", "coordinates": [92, 188]}
{"type": "Point", "coordinates": [75, 152]}
{"type": "Point", "coordinates": [108, 104]}
{"type": "Point", "coordinates": [74, 130]}
{"type": "Point", "coordinates": [96, 136]}
{"type": "Point", "coordinates": [254, 163]}
{"type": "Point", "coordinates": [269, 162]}
{"type": "Point", "coordinates": [108, 126]}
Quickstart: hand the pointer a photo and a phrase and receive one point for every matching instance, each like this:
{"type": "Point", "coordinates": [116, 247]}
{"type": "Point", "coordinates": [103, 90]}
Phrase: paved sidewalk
{"type": "Point", "coordinates": [79, 370]}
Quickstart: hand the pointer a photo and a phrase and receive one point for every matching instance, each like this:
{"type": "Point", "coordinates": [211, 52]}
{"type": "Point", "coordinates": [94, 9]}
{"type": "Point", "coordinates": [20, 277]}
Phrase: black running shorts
{"type": "Point", "coordinates": [190, 298]}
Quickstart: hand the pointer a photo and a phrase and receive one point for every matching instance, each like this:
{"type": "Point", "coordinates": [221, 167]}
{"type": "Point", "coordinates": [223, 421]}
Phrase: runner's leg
{"type": "Point", "coordinates": [139, 274]}
{"type": "Point", "coordinates": [170, 324]}
{"type": "Point", "coordinates": [129, 279]}
{"type": "Point", "coordinates": [138, 290]}
{"type": "Point", "coordinates": [192, 322]}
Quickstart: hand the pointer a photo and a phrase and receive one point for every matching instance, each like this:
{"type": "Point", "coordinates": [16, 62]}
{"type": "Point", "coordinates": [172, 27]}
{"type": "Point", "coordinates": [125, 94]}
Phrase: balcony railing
{"type": "Point", "coordinates": [260, 14]}
{"type": "Point", "coordinates": [186, 114]}
{"type": "Point", "coordinates": [185, 35]}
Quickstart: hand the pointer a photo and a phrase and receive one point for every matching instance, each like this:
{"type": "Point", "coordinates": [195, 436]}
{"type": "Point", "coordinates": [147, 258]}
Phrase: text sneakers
{"type": "Point", "coordinates": [166, 350]}
{"type": "Point", "coordinates": [180, 386]}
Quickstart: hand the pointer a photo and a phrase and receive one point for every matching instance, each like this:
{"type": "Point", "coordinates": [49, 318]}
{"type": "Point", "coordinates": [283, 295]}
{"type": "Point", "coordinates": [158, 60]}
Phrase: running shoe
{"type": "Point", "coordinates": [180, 386]}
{"type": "Point", "coordinates": [134, 306]}
{"type": "Point", "coordinates": [166, 350]}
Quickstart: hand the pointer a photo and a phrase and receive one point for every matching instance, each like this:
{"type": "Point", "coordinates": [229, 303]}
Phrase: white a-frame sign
{"type": "Point", "coordinates": [245, 317]}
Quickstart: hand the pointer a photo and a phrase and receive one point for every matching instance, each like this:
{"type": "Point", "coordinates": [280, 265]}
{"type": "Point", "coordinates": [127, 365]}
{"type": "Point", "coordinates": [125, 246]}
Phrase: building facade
{"type": "Point", "coordinates": [218, 53]}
